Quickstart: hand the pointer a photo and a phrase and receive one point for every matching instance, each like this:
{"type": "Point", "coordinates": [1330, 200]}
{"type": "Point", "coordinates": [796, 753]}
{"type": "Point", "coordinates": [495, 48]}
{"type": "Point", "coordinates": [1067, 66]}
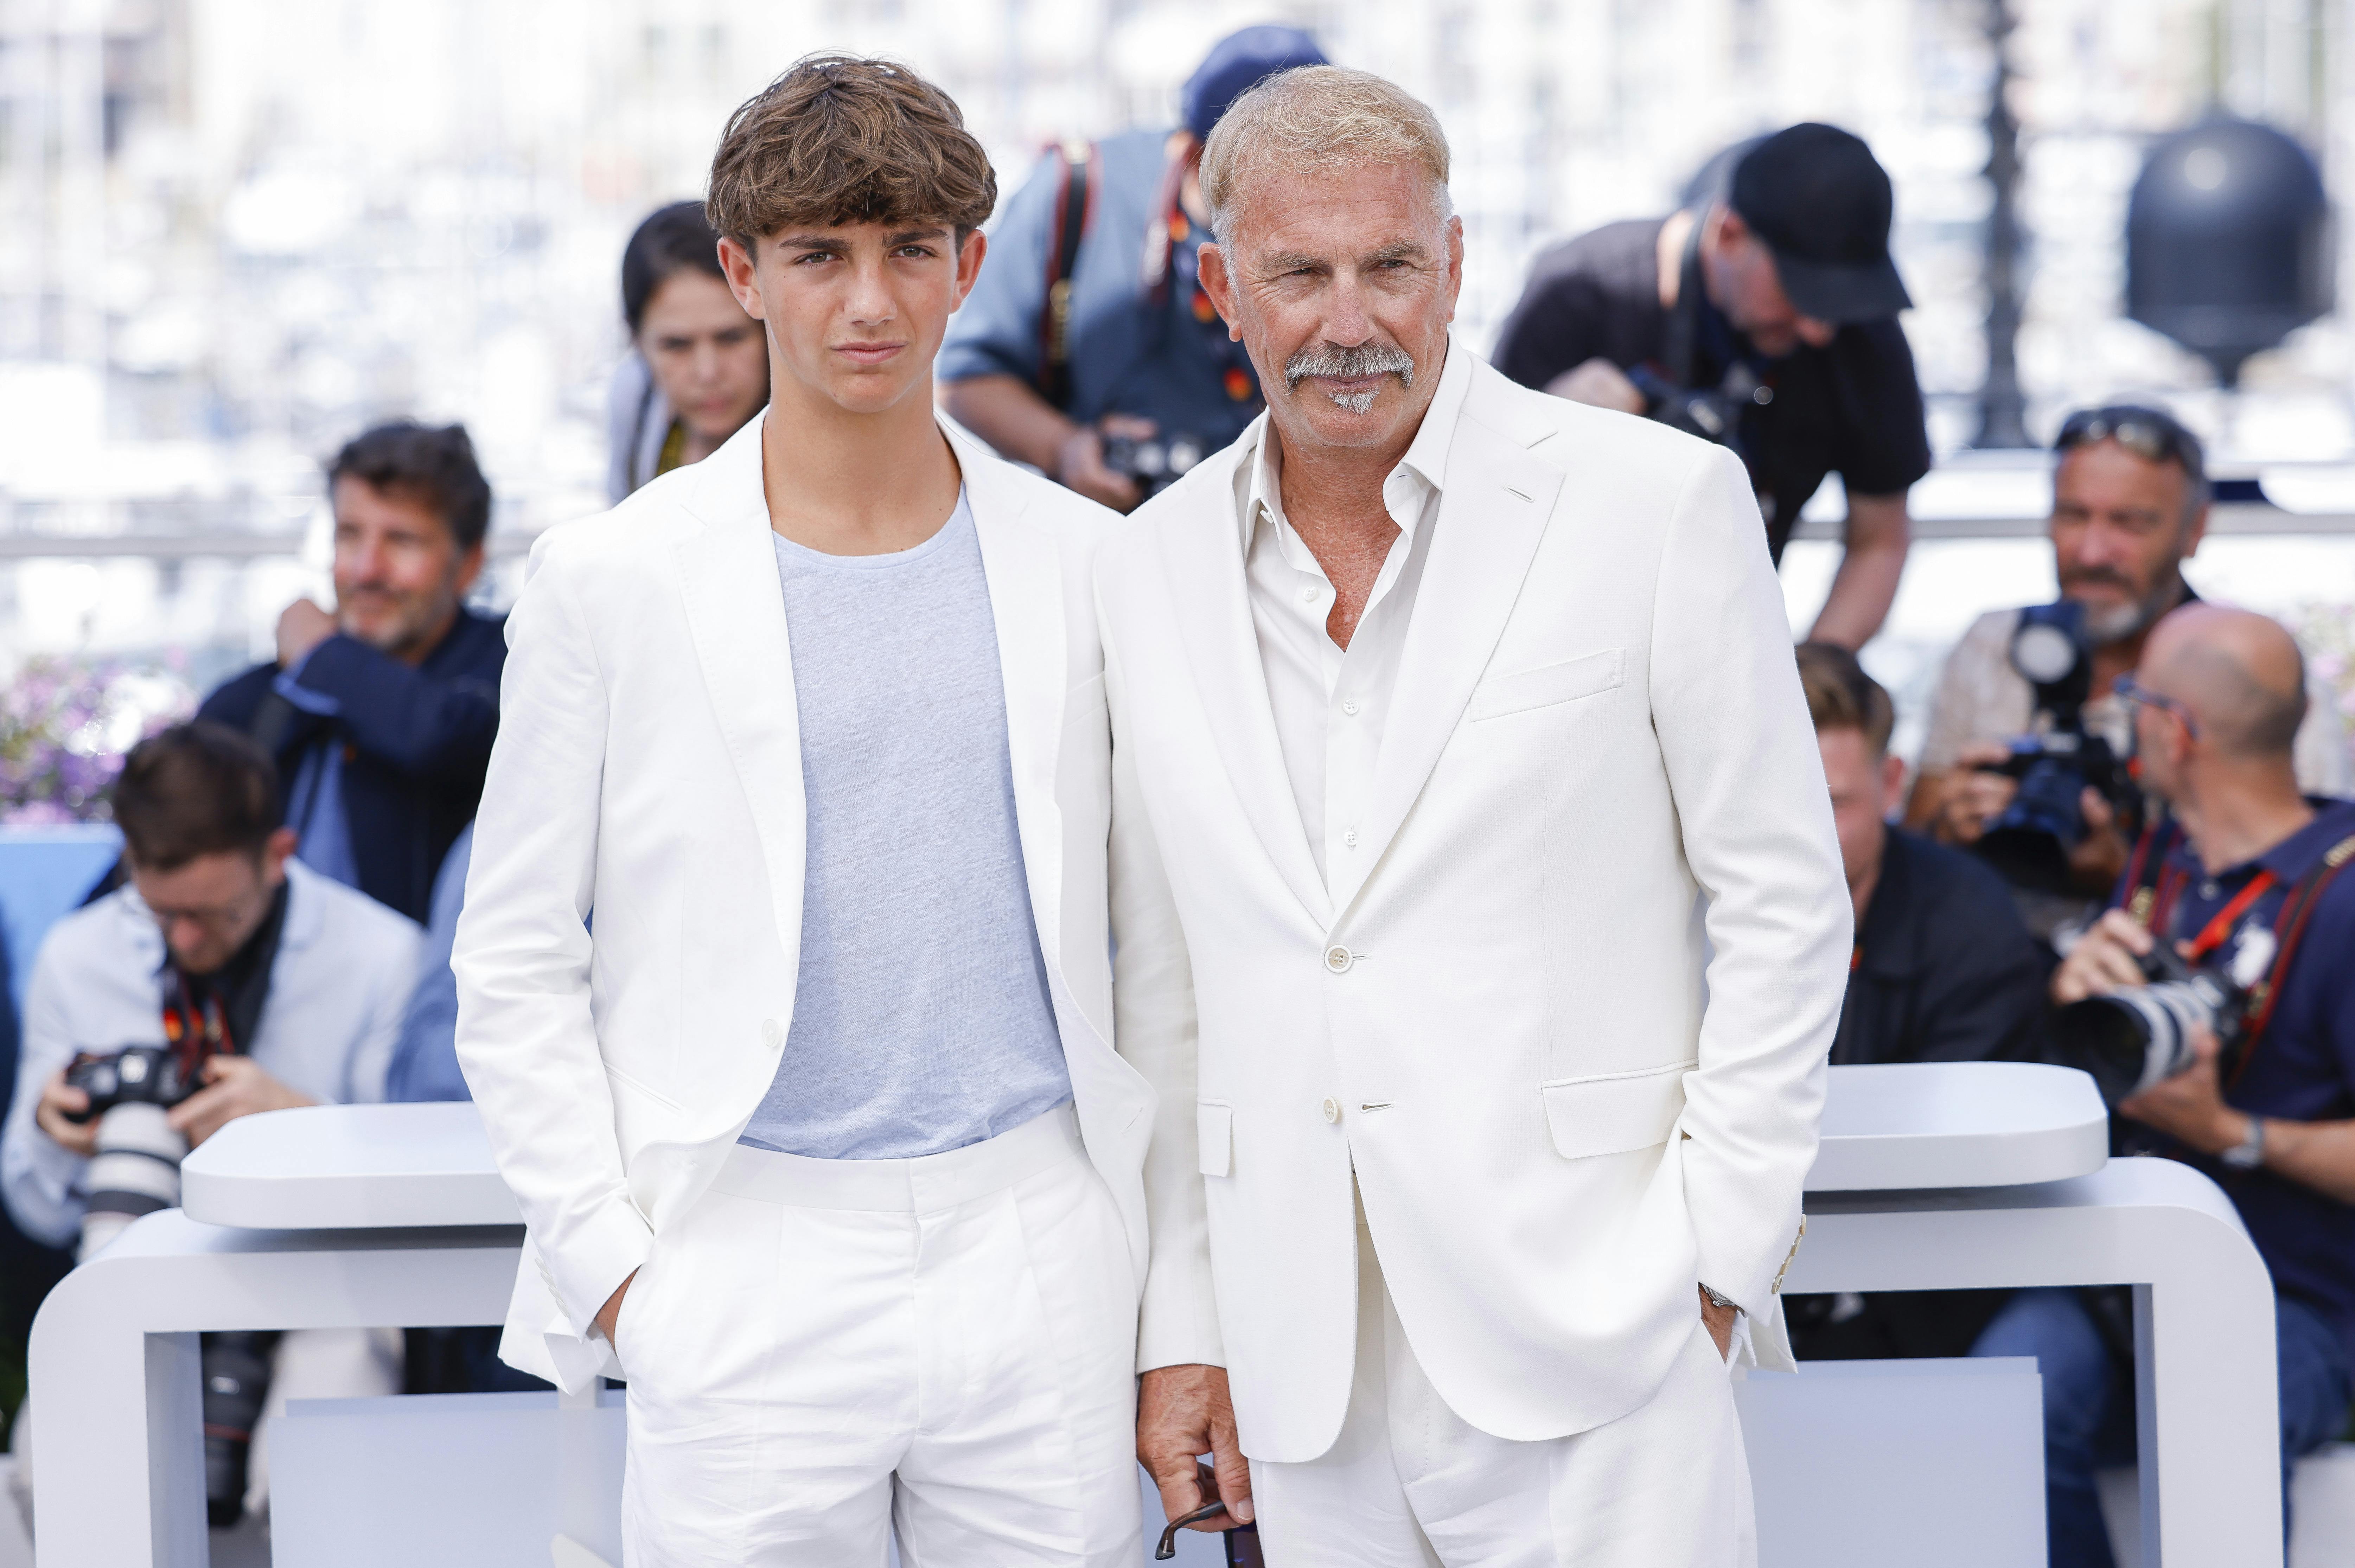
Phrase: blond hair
{"type": "Point", "coordinates": [1317, 117]}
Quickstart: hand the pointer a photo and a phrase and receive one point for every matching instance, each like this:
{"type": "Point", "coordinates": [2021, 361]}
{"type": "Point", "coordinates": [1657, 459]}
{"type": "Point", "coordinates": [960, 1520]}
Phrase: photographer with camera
{"type": "Point", "coordinates": [1088, 349]}
{"type": "Point", "coordinates": [2130, 497]}
{"type": "Point", "coordinates": [226, 978]}
{"type": "Point", "coordinates": [2239, 1059]}
{"type": "Point", "coordinates": [1763, 316]}
{"type": "Point", "coordinates": [1943, 970]}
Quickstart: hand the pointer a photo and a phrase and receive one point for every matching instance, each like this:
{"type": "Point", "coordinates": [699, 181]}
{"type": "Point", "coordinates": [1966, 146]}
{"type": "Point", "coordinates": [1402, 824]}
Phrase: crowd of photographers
{"type": "Point", "coordinates": [2120, 849]}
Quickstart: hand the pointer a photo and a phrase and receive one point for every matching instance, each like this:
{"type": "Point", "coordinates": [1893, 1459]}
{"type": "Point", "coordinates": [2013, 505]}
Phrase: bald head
{"type": "Point", "coordinates": [2239, 672]}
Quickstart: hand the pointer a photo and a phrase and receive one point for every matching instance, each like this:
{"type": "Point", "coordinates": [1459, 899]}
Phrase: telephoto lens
{"type": "Point", "coordinates": [236, 1369]}
{"type": "Point", "coordinates": [136, 1171]}
{"type": "Point", "coordinates": [2131, 1040]}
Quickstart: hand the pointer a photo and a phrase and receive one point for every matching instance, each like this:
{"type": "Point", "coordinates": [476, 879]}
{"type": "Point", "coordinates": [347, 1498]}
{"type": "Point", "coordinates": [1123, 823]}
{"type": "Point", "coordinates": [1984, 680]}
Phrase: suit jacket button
{"type": "Point", "coordinates": [1332, 1110]}
{"type": "Point", "coordinates": [773, 1033]}
{"type": "Point", "coordinates": [1339, 959]}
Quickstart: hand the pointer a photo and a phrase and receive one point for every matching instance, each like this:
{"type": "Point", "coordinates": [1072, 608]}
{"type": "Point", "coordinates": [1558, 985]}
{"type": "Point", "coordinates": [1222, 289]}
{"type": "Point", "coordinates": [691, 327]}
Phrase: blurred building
{"type": "Point", "coordinates": [238, 230]}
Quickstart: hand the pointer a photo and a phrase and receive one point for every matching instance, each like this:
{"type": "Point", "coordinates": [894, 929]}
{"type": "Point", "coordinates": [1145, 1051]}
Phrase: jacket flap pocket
{"type": "Point", "coordinates": [1615, 1113]}
{"type": "Point", "coordinates": [1548, 684]}
{"type": "Point", "coordinates": [1214, 1126]}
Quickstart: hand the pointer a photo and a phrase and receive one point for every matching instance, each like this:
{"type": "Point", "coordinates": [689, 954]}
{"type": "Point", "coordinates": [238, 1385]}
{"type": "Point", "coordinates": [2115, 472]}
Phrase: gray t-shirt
{"type": "Point", "coordinates": [921, 1017]}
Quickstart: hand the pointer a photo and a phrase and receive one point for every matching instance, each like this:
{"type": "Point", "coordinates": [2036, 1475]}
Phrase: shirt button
{"type": "Point", "coordinates": [1339, 959]}
{"type": "Point", "coordinates": [2209, 889]}
{"type": "Point", "coordinates": [1332, 1110]}
{"type": "Point", "coordinates": [1349, 837]}
{"type": "Point", "coordinates": [1350, 708]}
{"type": "Point", "coordinates": [1309, 596]}
{"type": "Point", "coordinates": [773, 1034]}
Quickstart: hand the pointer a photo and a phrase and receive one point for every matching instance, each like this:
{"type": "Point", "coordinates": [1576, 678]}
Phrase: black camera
{"type": "Point", "coordinates": [2029, 843]}
{"type": "Point", "coordinates": [136, 1168]}
{"type": "Point", "coordinates": [134, 1075]}
{"type": "Point", "coordinates": [1154, 461]}
{"type": "Point", "coordinates": [1712, 413]}
{"type": "Point", "coordinates": [2134, 1039]}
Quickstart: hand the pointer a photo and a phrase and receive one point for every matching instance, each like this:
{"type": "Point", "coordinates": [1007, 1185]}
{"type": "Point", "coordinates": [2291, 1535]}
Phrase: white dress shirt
{"type": "Point", "coordinates": [1330, 703]}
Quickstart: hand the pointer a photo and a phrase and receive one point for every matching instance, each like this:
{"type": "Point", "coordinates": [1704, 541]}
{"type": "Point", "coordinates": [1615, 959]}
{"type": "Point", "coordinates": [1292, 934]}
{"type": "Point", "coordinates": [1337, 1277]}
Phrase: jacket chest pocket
{"type": "Point", "coordinates": [1549, 685]}
{"type": "Point", "coordinates": [1616, 1113]}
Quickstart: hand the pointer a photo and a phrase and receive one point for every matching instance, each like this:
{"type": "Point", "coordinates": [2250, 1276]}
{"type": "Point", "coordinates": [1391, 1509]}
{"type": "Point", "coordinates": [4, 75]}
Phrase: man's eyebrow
{"type": "Point", "coordinates": [821, 241]}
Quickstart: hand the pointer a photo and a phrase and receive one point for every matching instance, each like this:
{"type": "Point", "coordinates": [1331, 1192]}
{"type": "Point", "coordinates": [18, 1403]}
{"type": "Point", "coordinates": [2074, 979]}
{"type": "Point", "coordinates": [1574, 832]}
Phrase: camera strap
{"type": "Point", "coordinates": [1080, 170]}
{"type": "Point", "coordinates": [2297, 912]}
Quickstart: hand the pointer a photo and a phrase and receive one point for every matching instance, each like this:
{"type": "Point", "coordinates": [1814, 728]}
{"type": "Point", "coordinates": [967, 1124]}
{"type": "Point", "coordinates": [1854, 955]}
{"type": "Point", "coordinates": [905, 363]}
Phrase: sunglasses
{"type": "Point", "coordinates": [1168, 1547]}
{"type": "Point", "coordinates": [2150, 435]}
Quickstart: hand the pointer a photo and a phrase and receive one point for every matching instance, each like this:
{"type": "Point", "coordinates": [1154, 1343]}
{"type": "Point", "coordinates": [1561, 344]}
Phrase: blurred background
{"type": "Point", "coordinates": [238, 230]}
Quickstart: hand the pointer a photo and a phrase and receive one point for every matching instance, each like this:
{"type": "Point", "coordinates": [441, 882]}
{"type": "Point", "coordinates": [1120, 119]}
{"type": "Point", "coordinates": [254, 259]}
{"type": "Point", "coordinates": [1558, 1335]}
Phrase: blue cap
{"type": "Point", "coordinates": [1236, 64]}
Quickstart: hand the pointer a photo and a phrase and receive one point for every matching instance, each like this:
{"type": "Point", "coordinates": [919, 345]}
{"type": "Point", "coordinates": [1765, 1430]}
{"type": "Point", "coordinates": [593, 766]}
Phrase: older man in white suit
{"type": "Point", "coordinates": [1478, 914]}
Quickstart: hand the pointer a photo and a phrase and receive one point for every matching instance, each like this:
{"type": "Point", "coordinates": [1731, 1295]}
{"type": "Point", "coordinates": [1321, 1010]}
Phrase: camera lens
{"type": "Point", "coordinates": [2131, 1040]}
{"type": "Point", "coordinates": [136, 1171]}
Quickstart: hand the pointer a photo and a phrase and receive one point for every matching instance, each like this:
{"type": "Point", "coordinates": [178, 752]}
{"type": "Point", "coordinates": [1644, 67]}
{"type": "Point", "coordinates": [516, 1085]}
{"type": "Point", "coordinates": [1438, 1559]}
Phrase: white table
{"type": "Point", "coordinates": [1968, 1175]}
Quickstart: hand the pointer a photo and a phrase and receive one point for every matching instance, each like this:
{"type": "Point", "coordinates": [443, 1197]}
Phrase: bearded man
{"type": "Point", "coordinates": [1478, 912]}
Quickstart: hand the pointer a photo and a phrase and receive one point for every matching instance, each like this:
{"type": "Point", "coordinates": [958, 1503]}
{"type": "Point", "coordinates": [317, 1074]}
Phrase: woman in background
{"type": "Point", "coordinates": [699, 366]}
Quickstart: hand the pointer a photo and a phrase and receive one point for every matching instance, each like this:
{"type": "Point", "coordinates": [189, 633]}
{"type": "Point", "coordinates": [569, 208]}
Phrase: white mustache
{"type": "Point", "coordinates": [1365, 359]}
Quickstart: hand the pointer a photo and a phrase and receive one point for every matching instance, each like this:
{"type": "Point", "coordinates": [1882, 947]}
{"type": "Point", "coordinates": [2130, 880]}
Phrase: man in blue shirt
{"type": "Point", "coordinates": [2270, 1114]}
{"type": "Point", "coordinates": [380, 714]}
{"type": "Point", "coordinates": [1062, 344]}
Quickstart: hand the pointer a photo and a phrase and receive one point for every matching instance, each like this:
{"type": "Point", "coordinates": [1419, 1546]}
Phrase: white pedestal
{"type": "Point", "coordinates": [114, 1353]}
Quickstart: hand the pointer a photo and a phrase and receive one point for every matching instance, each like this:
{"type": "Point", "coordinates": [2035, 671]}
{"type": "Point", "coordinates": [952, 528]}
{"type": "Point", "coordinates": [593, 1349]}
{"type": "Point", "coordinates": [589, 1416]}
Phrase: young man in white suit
{"type": "Point", "coordinates": [1479, 916]}
{"type": "Point", "coordinates": [782, 974]}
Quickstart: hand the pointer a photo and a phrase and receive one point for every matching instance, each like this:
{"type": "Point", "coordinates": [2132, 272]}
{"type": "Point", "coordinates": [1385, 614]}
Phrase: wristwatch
{"type": "Point", "coordinates": [1719, 1301]}
{"type": "Point", "coordinates": [2250, 1152]}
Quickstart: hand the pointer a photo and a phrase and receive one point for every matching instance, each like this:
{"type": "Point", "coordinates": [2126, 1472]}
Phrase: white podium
{"type": "Point", "coordinates": [1947, 1177]}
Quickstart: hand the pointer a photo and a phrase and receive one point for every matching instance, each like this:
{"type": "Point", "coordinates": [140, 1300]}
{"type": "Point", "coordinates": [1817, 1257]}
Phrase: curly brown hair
{"type": "Point", "coordinates": [839, 138]}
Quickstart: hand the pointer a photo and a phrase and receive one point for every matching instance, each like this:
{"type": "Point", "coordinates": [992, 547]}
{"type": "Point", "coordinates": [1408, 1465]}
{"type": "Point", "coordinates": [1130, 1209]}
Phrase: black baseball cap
{"type": "Point", "coordinates": [1821, 203]}
{"type": "Point", "coordinates": [1236, 64]}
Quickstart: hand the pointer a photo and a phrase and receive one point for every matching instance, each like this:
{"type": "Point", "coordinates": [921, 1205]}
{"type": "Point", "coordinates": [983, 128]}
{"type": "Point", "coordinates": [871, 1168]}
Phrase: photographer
{"type": "Point", "coordinates": [1088, 349]}
{"type": "Point", "coordinates": [255, 981]}
{"type": "Point", "coordinates": [2130, 506]}
{"type": "Point", "coordinates": [2242, 879]}
{"type": "Point", "coordinates": [1943, 971]}
{"type": "Point", "coordinates": [1764, 315]}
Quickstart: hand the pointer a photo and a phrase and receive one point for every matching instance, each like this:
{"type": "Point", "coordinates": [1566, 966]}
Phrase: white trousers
{"type": "Point", "coordinates": [1410, 1484]}
{"type": "Point", "coordinates": [820, 1351]}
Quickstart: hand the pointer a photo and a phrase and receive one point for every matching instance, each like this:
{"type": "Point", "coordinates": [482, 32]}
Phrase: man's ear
{"type": "Point", "coordinates": [1455, 263]}
{"type": "Point", "coordinates": [470, 567]}
{"type": "Point", "coordinates": [274, 852]}
{"type": "Point", "coordinates": [743, 282]}
{"type": "Point", "coordinates": [971, 251]}
{"type": "Point", "coordinates": [1210, 266]}
{"type": "Point", "coordinates": [1892, 777]}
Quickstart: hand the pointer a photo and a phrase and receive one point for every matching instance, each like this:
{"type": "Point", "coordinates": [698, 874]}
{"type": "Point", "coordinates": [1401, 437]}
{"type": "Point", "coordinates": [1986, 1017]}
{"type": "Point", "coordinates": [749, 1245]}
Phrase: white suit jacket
{"type": "Point", "coordinates": [648, 769]}
{"type": "Point", "coordinates": [1565, 1012]}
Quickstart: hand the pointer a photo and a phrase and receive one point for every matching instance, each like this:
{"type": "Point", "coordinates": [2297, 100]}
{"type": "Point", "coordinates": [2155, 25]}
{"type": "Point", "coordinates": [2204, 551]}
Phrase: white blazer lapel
{"type": "Point", "coordinates": [1492, 512]}
{"type": "Point", "coordinates": [736, 612]}
{"type": "Point", "coordinates": [1025, 569]}
{"type": "Point", "coordinates": [1203, 550]}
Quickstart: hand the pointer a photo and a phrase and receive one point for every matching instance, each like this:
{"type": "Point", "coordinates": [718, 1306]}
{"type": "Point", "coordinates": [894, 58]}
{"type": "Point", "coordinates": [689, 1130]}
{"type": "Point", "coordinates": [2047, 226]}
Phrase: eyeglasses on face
{"type": "Point", "coordinates": [2135, 694]}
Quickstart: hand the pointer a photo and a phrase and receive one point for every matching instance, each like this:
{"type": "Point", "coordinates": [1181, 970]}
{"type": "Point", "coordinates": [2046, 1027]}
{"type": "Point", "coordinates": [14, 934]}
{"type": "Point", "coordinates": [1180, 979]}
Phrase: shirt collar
{"type": "Point", "coordinates": [2294, 857]}
{"type": "Point", "coordinates": [1426, 454]}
